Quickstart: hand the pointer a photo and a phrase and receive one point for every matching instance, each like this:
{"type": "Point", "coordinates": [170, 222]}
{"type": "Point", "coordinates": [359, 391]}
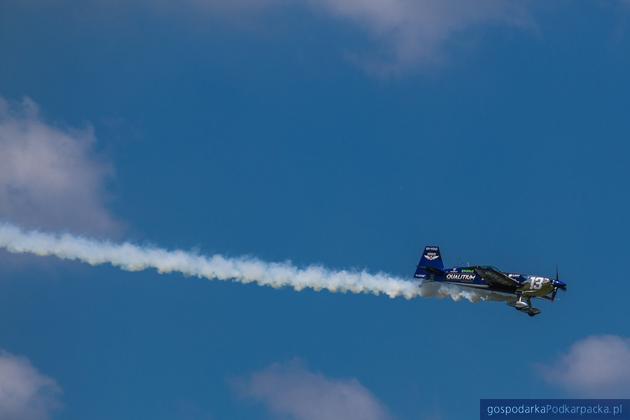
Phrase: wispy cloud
{"type": "Point", "coordinates": [404, 34]}
{"type": "Point", "coordinates": [412, 33]}
{"type": "Point", "coordinates": [597, 366]}
{"type": "Point", "coordinates": [25, 393]}
{"type": "Point", "coordinates": [50, 176]}
{"type": "Point", "coordinates": [290, 389]}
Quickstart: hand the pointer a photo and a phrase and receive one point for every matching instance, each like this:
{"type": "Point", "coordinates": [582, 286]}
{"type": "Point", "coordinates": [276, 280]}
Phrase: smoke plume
{"type": "Point", "coordinates": [130, 257]}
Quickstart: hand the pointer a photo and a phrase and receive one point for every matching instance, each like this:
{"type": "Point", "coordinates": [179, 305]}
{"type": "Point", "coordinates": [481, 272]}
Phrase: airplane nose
{"type": "Point", "coordinates": [560, 284]}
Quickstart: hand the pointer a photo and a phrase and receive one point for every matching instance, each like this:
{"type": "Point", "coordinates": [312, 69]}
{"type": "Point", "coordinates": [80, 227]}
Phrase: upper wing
{"type": "Point", "coordinates": [495, 277]}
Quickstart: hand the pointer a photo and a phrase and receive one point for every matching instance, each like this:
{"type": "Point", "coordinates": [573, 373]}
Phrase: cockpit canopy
{"type": "Point", "coordinates": [489, 267]}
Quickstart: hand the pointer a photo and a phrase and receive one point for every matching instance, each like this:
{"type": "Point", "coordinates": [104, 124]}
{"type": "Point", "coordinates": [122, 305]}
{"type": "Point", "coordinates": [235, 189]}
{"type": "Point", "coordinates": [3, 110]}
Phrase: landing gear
{"type": "Point", "coordinates": [521, 303]}
{"type": "Point", "coordinates": [524, 304]}
{"type": "Point", "coordinates": [533, 311]}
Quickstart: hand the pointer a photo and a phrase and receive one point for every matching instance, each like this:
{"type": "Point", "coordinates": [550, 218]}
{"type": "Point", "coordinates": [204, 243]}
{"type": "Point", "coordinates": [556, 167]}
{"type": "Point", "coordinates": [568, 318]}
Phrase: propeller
{"type": "Point", "coordinates": [555, 289]}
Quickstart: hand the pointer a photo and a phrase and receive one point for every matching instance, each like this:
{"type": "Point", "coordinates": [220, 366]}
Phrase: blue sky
{"type": "Point", "coordinates": [348, 134]}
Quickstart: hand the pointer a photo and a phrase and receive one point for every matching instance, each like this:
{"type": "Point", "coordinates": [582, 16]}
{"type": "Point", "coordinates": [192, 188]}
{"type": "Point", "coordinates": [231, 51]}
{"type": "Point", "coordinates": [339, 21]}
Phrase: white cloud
{"type": "Point", "coordinates": [404, 33]}
{"type": "Point", "coordinates": [416, 32]}
{"type": "Point", "coordinates": [49, 176]}
{"type": "Point", "coordinates": [597, 366]}
{"type": "Point", "coordinates": [25, 394]}
{"type": "Point", "coordinates": [291, 390]}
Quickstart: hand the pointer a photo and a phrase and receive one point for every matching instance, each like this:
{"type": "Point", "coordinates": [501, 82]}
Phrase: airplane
{"type": "Point", "coordinates": [523, 287]}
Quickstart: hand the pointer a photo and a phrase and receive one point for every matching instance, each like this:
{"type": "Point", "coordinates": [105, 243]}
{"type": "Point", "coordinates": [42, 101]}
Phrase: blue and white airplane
{"type": "Point", "coordinates": [523, 287]}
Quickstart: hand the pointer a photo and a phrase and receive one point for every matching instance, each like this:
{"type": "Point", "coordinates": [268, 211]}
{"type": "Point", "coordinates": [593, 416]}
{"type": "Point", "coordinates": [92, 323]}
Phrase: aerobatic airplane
{"type": "Point", "coordinates": [523, 287]}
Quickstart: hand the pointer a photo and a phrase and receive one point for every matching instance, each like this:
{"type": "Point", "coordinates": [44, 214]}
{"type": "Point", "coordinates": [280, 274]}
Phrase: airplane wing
{"type": "Point", "coordinates": [495, 277]}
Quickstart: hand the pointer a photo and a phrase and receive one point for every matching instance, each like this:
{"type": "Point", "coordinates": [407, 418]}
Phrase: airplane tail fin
{"type": "Point", "coordinates": [430, 262]}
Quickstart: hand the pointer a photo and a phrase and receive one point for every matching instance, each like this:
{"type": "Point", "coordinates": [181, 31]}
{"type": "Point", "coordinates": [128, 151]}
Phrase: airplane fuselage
{"type": "Point", "coordinates": [529, 285]}
{"type": "Point", "coordinates": [523, 287]}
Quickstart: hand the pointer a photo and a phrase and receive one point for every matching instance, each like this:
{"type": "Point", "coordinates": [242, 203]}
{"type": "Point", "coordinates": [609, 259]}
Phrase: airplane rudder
{"type": "Point", "coordinates": [431, 257]}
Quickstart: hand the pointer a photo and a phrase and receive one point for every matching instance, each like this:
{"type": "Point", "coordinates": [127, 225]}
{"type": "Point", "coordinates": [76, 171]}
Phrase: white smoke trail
{"type": "Point", "coordinates": [132, 257]}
